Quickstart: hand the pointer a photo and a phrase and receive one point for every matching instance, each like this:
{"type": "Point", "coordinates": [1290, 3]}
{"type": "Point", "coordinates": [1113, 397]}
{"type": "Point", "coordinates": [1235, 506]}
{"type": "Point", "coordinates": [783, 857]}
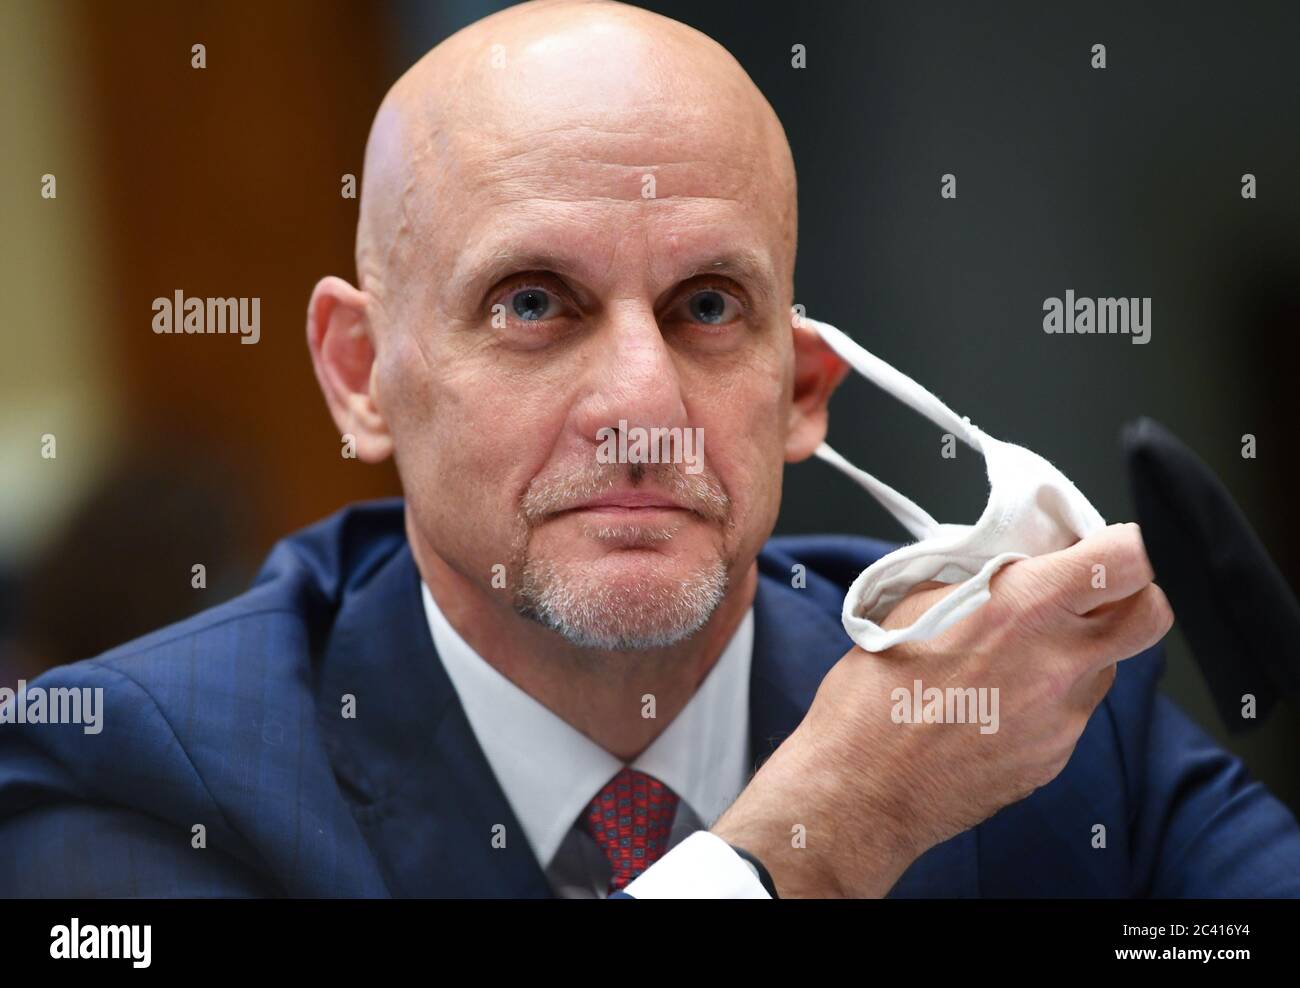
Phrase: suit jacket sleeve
{"type": "Point", "coordinates": [1203, 826]}
{"type": "Point", "coordinates": [113, 814]}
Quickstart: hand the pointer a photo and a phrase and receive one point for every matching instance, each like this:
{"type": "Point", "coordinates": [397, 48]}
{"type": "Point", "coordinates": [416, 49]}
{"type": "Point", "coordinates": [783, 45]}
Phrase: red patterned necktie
{"type": "Point", "coordinates": [631, 819]}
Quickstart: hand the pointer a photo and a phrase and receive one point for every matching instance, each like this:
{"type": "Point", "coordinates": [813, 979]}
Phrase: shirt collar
{"type": "Point", "coordinates": [549, 770]}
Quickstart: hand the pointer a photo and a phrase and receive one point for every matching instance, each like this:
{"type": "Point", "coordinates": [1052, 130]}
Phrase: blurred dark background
{"type": "Point", "coordinates": [226, 181]}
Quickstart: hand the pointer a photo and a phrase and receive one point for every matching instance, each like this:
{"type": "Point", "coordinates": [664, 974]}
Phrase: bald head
{"type": "Point", "coordinates": [571, 99]}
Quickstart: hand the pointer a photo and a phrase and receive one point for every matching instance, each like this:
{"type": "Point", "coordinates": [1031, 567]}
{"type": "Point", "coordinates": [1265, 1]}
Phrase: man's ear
{"type": "Point", "coordinates": [343, 356]}
{"type": "Point", "coordinates": [818, 371]}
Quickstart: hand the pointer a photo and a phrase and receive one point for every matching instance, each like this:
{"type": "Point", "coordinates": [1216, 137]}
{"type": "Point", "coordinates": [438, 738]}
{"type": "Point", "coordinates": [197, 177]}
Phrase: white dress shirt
{"type": "Point", "coordinates": [550, 771]}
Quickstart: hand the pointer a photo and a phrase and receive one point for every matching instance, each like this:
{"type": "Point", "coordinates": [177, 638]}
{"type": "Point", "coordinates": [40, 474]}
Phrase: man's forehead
{"type": "Point", "coordinates": [570, 158]}
{"type": "Point", "coordinates": [582, 195]}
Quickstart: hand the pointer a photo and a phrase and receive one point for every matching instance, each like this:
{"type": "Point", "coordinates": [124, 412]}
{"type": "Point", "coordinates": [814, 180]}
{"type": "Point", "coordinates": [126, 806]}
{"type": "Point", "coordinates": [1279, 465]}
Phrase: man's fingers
{"type": "Point", "coordinates": [1126, 627]}
{"type": "Point", "coordinates": [1099, 570]}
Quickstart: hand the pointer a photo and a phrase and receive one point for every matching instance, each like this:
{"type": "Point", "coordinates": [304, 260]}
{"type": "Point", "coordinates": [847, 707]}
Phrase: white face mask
{"type": "Point", "coordinates": [1032, 509]}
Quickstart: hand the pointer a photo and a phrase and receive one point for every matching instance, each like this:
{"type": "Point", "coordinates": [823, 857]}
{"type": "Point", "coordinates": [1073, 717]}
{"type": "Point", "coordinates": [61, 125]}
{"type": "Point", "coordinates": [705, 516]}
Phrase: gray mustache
{"type": "Point", "coordinates": [700, 493]}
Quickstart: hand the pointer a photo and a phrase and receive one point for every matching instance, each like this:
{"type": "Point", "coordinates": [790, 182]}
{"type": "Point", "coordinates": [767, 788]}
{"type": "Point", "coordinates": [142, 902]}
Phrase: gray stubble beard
{"type": "Point", "coordinates": [590, 613]}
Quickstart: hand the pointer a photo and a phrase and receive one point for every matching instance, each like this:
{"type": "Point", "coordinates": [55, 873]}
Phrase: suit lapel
{"type": "Point", "coordinates": [795, 644]}
{"type": "Point", "coordinates": [421, 788]}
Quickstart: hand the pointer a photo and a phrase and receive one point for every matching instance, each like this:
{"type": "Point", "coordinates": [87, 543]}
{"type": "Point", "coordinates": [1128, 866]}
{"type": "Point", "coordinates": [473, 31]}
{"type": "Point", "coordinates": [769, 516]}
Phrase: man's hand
{"type": "Point", "coordinates": [874, 795]}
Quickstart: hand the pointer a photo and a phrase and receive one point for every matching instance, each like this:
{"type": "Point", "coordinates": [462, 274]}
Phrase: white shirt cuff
{"type": "Point", "coordinates": [703, 866]}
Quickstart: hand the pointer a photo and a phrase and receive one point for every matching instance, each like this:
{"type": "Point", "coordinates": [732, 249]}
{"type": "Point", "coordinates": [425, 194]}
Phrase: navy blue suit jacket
{"type": "Point", "coordinates": [232, 720]}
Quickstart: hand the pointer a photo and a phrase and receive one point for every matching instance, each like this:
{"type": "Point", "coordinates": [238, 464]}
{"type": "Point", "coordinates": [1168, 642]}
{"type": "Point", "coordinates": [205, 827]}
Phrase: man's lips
{"type": "Point", "coordinates": [629, 502]}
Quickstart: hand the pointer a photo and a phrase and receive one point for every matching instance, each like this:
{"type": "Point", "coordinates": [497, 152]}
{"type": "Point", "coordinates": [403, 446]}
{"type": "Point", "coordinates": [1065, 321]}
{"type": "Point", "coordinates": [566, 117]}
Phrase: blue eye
{"type": "Point", "coordinates": [531, 304]}
{"type": "Point", "coordinates": [709, 306]}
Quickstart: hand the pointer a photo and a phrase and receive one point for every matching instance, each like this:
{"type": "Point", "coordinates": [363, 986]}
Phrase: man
{"type": "Point", "coordinates": [546, 673]}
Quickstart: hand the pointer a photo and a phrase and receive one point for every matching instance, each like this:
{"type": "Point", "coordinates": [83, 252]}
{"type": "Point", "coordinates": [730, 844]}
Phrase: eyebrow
{"type": "Point", "coordinates": [747, 266]}
{"type": "Point", "coordinates": [506, 261]}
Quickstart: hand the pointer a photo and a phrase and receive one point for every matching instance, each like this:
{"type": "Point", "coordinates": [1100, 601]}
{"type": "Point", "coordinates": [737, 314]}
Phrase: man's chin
{"type": "Point", "coordinates": [625, 600]}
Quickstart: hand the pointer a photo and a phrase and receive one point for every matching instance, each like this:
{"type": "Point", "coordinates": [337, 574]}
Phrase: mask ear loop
{"type": "Point", "coordinates": [897, 383]}
{"type": "Point", "coordinates": [909, 514]}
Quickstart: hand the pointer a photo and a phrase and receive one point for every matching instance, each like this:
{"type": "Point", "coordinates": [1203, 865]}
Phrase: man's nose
{"type": "Point", "coordinates": [631, 377]}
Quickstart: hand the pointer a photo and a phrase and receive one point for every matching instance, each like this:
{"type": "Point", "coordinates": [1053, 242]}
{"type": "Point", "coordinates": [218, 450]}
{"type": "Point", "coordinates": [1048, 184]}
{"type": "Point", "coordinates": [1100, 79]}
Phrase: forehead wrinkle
{"type": "Point", "coordinates": [552, 171]}
{"type": "Point", "coordinates": [681, 149]}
